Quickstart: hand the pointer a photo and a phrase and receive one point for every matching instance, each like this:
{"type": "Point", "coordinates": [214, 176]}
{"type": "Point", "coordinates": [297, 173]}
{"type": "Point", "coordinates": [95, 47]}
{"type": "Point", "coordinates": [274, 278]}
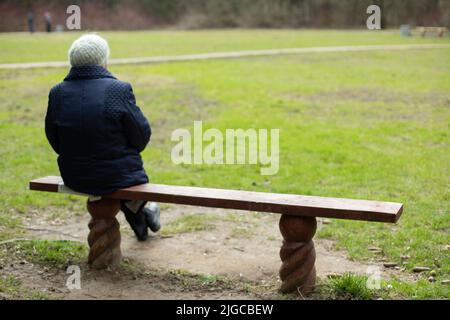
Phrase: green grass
{"type": "Point", "coordinates": [12, 288]}
{"type": "Point", "coordinates": [350, 286]}
{"type": "Point", "coordinates": [189, 223]}
{"type": "Point", "coordinates": [354, 287]}
{"type": "Point", "coordinates": [16, 47]}
{"type": "Point", "coordinates": [420, 290]}
{"type": "Point", "coordinates": [368, 125]}
{"type": "Point", "coordinates": [58, 254]}
{"type": "Point", "coordinates": [240, 232]}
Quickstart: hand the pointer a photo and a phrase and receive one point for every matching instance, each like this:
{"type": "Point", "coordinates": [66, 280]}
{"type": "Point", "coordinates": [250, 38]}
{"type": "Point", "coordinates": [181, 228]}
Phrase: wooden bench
{"type": "Point", "coordinates": [440, 31]}
{"type": "Point", "coordinates": [297, 223]}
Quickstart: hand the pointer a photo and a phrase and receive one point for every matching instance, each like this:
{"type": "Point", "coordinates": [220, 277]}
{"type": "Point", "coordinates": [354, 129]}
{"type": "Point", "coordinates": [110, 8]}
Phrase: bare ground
{"type": "Point", "coordinates": [235, 257]}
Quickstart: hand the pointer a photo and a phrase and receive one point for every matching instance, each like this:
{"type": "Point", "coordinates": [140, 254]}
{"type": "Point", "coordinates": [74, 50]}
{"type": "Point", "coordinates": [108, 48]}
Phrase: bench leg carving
{"type": "Point", "coordinates": [297, 254]}
{"type": "Point", "coordinates": [104, 234]}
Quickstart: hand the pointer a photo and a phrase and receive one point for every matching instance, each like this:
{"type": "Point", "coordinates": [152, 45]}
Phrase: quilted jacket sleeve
{"type": "Point", "coordinates": [136, 126]}
{"type": "Point", "coordinates": [50, 125]}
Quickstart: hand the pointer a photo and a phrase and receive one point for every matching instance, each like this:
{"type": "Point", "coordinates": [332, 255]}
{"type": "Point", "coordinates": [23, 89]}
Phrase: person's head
{"type": "Point", "coordinates": [89, 49]}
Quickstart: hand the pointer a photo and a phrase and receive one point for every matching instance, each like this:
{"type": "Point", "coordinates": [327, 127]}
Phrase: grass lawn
{"type": "Point", "coordinates": [369, 125]}
{"type": "Point", "coordinates": [21, 47]}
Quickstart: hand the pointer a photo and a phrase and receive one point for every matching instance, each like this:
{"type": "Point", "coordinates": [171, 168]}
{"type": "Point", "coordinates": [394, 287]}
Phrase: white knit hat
{"type": "Point", "coordinates": [89, 49]}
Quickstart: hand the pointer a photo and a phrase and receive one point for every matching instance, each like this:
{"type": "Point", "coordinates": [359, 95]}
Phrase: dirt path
{"type": "Point", "coordinates": [237, 245]}
{"type": "Point", "coordinates": [230, 55]}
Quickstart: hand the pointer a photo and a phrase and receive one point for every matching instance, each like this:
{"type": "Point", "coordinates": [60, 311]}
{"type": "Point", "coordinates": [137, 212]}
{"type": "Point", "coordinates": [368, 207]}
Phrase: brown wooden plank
{"type": "Point", "coordinates": [49, 184]}
{"type": "Point", "coordinates": [252, 201]}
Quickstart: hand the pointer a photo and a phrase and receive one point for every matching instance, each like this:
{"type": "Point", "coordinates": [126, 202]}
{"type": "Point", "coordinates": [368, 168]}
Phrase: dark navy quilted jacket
{"type": "Point", "coordinates": [97, 130]}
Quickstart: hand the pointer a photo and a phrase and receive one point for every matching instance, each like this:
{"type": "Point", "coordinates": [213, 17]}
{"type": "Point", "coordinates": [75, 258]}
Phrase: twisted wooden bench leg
{"type": "Point", "coordinates": [297, 254]}
{"type": "Point", "coordinates": [104, 234]}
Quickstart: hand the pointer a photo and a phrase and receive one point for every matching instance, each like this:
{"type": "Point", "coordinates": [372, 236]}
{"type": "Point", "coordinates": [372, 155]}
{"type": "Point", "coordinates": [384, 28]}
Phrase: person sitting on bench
{"type": "Point", "coordinates": [98, 132]}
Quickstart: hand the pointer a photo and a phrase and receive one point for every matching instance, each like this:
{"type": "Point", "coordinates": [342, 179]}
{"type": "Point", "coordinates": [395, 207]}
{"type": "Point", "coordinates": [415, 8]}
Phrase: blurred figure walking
{"type": "Point", "coordinates": [30, 17]}
{"type": "Point", "coordinates": [48, 21]}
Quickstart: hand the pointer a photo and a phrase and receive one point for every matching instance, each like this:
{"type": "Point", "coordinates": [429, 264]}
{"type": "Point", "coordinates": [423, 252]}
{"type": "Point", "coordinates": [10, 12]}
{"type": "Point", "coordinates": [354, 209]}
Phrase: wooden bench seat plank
{"type": "Point", "coordinates": [289, 204]}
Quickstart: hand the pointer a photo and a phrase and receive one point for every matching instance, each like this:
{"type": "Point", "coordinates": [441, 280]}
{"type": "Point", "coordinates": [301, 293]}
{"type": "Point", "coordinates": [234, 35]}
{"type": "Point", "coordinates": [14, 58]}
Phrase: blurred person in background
{"type": "Point", "coordinates": [48, 21]}
{"type": "Point", "coordinates": [30, 17]}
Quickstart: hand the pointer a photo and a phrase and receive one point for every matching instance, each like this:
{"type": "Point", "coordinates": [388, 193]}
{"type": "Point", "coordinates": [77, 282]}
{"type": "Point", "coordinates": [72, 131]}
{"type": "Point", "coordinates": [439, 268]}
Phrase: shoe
{"type": "Point", "coordinates": [152, 216]}
{"type": "Point", "coordinates": [137, 222]}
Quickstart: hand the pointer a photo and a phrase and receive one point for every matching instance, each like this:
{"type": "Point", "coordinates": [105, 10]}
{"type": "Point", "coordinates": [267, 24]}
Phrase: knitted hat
{"type": "Point", "coordinates": [89, 49]}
